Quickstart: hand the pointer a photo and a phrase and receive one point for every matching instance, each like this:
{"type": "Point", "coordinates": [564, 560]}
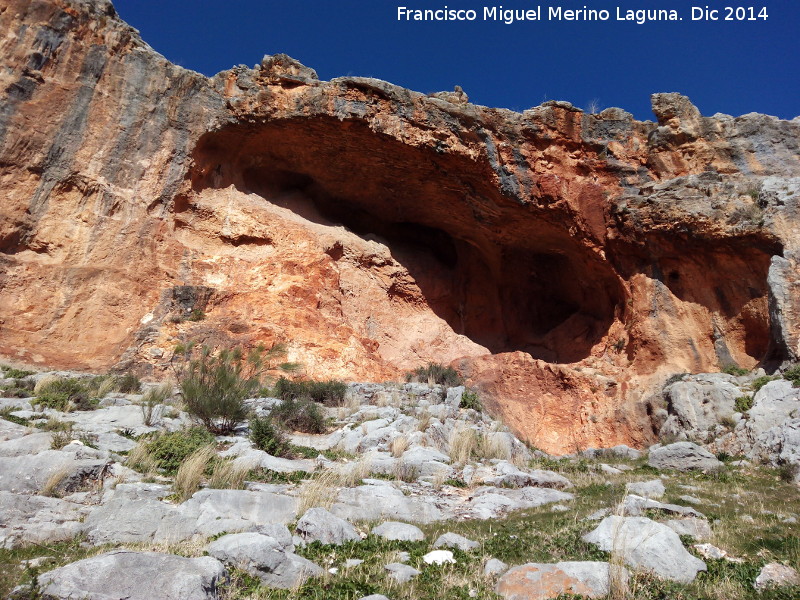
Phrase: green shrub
{"type": "Point", "coordinates": [128, 383]}
{"type": "Point", "coordinates": [436, 373]}
{"type": "Point", "coordinates": [788, 471]}
{"type": "Point", "coordinates": [743, 404]}
{"type": "Point", "coordinates": [215, 386]}
{"type": "Point", "coordinates": [735, 370]}
{"type": "Point", "coordinates": [170, 449]}
{"type": "Point", "coordinates": [12, 373]}
{"type": "Point", "coordinates": [470, 399]}
{"type": "Point", "coordinates": [300, 414]}
{"type": "Point", "coordinates": [267, 437]}
{"type": "Point", "coordinates": [57, 394]}
{"type": "Point", "coordinates": [793, 374]}
{"type": "Point", "coordinates": [760, 382]}
{"type": "Point", "coordinates": [329, 393]}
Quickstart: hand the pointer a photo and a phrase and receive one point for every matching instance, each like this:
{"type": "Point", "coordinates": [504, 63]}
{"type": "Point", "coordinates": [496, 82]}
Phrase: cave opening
{"type": "Point", "coordinates": [506, 280]}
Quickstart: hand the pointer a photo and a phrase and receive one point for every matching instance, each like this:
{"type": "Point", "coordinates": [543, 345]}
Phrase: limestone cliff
{"type": "Point", "coordinates": [565, 261]}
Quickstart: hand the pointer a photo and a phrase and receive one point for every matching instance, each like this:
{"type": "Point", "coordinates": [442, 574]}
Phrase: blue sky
{"type": "Point", "coordinates": [723, 66]}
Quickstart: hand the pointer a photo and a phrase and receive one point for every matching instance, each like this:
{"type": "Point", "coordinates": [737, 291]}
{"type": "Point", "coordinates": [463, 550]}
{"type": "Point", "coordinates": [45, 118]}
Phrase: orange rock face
{"type": "Point", "coordinates": [566, 262]}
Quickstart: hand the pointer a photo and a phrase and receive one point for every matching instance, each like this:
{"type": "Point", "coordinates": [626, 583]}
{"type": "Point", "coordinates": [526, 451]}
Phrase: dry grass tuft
{"type": "Point", "coordinates": [398, 445]}
{"type": "Point", "coordinates": [50, 488]}
{"type": "Point", "coordinates": [322, 490]}
{"type": "Point", "coordinates": [190, 473]}
{"type": "Point", "coordinates": [142, 460]}
{"type": "Point", "coordinates": [229, 475]}
{"type": "Point", "coordinates": [43, 383]}
{"type": "Point", "coordinates": [463, 444]}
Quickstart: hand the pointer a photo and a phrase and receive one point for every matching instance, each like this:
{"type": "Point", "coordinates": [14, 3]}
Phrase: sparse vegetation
{"type": "Point", "coordinates": [470, 399]}
{"type": "Point", "coordinates": [152, 402]}
{"type": "Point", "coordinates": [760, 382]}
{"type": "Point", "coordinates": [300, 414]}
{"type": "Point", "coordinates": [169, 450]}
{"type": "Point", "coordinates": [214, 386]}
{"type": "Point", "coordinates": [266, 436]}
{"type": "Point", "coordinates": [190, 472]}
{"type": "Point", "coordinates": [59, 392]}
{"type": "Point", "coordinates": [735, 370]}
{"type": "Point", "coordinates": [435, 373]}
{"type": "Point", "coordinates": [329, 393]}
{"type": "Point", "coordinates": [793, 374]}
{"type": "Point", "coordinates": [743, 404]}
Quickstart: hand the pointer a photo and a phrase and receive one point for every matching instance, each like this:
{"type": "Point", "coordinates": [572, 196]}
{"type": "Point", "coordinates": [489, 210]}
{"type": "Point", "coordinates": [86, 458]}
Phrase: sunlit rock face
{"type": "Point", "coordinates": [565, 262]}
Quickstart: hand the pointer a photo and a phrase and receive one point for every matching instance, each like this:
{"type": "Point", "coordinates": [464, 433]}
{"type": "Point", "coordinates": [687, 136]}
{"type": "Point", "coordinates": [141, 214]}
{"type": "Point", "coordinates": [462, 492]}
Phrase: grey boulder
{"type": "Point", "coordinates": [649, 489]}
{"type": "Point", "coordinates": [683, 456]}
{"type": "Point", "coordinates": [392, 530]}
{"type": "Point", "coordinates": [401, 573]}
{"type": "Point", "coordinates": [134, 576]}
{"type": "Point", "coordinates": [647, 545]}
{"type": "Point", "coordinates": [453, 540]}
{"type": "Point", "coordinates": [263, 557]}
{"type": "Point", "coordinates": [318, 525]}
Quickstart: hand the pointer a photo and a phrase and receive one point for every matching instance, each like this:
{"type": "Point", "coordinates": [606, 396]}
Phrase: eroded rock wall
{"type": "Point", "coordinates": [568, 262]}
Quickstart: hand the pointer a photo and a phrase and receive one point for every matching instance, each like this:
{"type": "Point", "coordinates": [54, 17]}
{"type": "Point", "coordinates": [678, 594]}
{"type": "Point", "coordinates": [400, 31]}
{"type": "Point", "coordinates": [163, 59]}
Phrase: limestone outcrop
{"type": "Point", "coordinates": [566, 262]}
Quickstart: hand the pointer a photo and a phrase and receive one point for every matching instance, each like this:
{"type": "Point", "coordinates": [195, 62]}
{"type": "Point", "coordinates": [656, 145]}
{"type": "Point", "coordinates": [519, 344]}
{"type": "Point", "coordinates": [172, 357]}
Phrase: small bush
{"type": "Point", "coordinates": [793, 374]}
{"type": "Point", "coordinates": [12, 373]}
{"type": "Point", "coordinates": [215, 387]}
{"type": "Point", "coordinates": [470, 399]}
{"type": "Point", "coordinates": [760, 382]}
{"type": "Point", "coordinates": [169, 450]}
{"type": "Point", "coordinates": [735, 370]}
{"type": "Point", "coordinates": [59, 393]}
{"type": "Point", "coordinates": [743, 403]}
{"type": "Point", "coordinates": [300, 414]}
{"type": "Point", "coordinates": [436, 373]}
{"type": "Point", "coordinates": [329, 393]}
{"type": "Point", "coordinates": [788, 472]}
{"type": "Point", "coordinates": [128, 383]}
{"type": "Point", "coordinates": [267, 437]}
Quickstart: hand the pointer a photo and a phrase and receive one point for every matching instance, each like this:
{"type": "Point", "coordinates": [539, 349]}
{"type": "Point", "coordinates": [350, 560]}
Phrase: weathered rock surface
{"type": "Point", "coordinates": [134, 576]}
{"type": "Point", "coordinates": [453, 540]}
{"type": "Point", "coordinates": [645, 544]}
{"type": "Point", "coordinates": [392, 530]}
{"type": "Point", "coordinates": [536, 581]}
{"type": "Point", "coordinates": [259, 197]}
{"type": "Point", "coordinates": [318, 525]}
{"type": "Point", "coordinates": [683, 456]}
{"type": "Point", "coordinates": [776, 575]}
{"type": "Point", "coordinates": [264, 557]}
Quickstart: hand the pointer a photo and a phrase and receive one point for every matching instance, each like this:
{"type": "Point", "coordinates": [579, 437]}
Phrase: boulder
{"type": "Point", "coordinates": [401, 573]}
{"type": "Point", "coordinates": [645, 544]}
{"type": "Point", "coordinates": [30, 473]}
{"type": "Point", "coordinates": [494, 567]}
{"type": "Point", "coordinates": [537, 581]}
{"type": "Point", "coordinates": [134, 576]}
{"type": "Point", "coordinates": [453, 540]}
{"type": "Point", "coordinates": [264, 557]}
{"type": "Point", "coordinates": [700, 402]}
{"type": "Point", "coordinates": [318, 525]}
{"type": "Point", "coordinates": [776, 575]}
{"type": "Point", "coordinates": [438, 557]}
{"type": "Point", "coordinates": [26, 519]}
{"type": "Point", "coordinates": [393, 530]}
{"type": "Point", "coordinates": [683, 456]}
{"type": "Point", "coordinates": [649, 489]}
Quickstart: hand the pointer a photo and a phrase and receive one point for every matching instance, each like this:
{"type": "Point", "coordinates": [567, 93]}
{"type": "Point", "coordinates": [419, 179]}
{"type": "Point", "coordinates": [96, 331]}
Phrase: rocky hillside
{"type": "Point", "coordinates": [408, 491]}
{"type": "Point", "coordinates": [566, 262]}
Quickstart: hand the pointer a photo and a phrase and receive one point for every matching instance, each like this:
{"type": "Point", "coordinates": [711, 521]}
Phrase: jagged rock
{"type": "Point", "coordinates": [26, 445]}
{"type": "Point", "coordinates": [776, 575]}
{"type": "Point", "coordinates": [647, 545]}
{"type": "Point", "coordinates": [134, 576]}
{"type": "Point", "coordinates": [392, 530]}
{"type": "Point", "coordinates": [321, 526]}
{"type": "Point", "coordinates": [699, 403]}
{"type": "Point", "coordinates": [490, 502]}
{"type": "Point", "coordinates": [264, 557]}
{"type": "Point", "coordinates": [537, 581]}
{"type": "Point", "coordinates": [453, 540]}
{"type": "Point", "coordinates": [649, 489]}
{"type": "Point", "coordinates": [377, 502]}
{"type": "Point", "coordinates": [510, 475]}
{"type": "Point", "coordinates": [683, 456]}
{"type": "Point", "coordinates": [401, 573]}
